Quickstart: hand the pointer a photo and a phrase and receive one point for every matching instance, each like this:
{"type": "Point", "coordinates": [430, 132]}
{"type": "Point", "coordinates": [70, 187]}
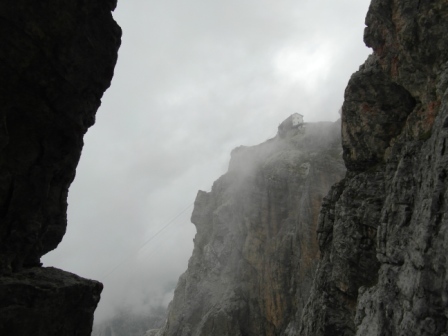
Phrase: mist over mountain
{"type": "Point", "coordinates": [127, 322]}
{"type": "Point", "coordinates": [328, 228]}
{"type": "Point", "coordinates": [272, 258]}
{"type": "Point", "coordinates": [194, 80]}
{"type": "Point", "coordinates": [256, 230]}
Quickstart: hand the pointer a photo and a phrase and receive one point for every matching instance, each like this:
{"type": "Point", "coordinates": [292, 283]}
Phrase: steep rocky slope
{"type": "Point", "coordinates": [56, 61]}
{"type": "Point", "coordinates": [255, 250]}
{"type": "Point", "coordinates": [383, 231]}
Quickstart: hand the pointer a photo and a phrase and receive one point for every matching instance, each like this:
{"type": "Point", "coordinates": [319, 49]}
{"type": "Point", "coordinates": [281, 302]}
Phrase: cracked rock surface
{"type": "Point", "coordinates": [383, 230]}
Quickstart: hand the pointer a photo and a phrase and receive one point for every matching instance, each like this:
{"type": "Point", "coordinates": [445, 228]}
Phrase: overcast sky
{"type": "Point", "coordinates": [194, 79]}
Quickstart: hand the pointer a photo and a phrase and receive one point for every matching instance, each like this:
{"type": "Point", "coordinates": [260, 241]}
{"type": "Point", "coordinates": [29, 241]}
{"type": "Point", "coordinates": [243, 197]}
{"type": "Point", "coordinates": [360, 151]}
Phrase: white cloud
{"type": "Point", "coordinates": [305, 64]}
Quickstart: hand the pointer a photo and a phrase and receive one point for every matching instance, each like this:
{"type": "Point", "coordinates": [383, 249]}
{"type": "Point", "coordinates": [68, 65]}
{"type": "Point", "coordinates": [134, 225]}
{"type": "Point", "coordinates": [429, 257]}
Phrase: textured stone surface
{"type": "Point", "coordinates": [56, 60]}
{"type": "Point", "coordinates": [255, 250]}
{"type": "Point", "coordinates": [47, 301]}
{"type": "Point", "coordinates": [383, 230]}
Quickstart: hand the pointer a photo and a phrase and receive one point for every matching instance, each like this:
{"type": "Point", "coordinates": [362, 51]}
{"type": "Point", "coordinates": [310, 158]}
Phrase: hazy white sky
{"type": "Point", "coordinates": [194, 79]}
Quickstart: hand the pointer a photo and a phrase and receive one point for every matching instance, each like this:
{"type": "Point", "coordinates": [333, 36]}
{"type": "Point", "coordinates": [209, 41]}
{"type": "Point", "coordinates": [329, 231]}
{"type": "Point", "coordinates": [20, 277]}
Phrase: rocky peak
{"type": "Point", "coordinates": [293, 124]}
{"type": "Point", "coordinates": [255, 230]}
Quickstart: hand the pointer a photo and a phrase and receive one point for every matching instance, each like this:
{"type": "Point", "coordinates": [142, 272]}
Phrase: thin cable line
{"type": "Point", "coordinates": [146, 242]}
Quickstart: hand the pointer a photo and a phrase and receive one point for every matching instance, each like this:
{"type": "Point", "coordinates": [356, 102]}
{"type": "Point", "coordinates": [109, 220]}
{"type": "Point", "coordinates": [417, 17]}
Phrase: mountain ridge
{"type": "Point", "coordinates": [256, 226]}
{"type": "Point", "coordinates": [382, 230]}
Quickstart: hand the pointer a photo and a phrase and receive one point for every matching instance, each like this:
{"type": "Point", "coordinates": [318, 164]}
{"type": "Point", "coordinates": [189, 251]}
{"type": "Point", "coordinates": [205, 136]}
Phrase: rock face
{"type": "Point", "coordinates": [255, 250]}
{"type": "Point", "coordinates": [56, 61]}
{"type": "Point", "coordinates": [47, 301]}
{"type": "Point", "coordinates": [383, 230]}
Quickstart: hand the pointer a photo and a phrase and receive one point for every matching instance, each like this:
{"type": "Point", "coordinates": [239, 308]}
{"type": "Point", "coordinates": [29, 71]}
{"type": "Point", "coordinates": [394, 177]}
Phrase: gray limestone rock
{"type": "Point", "coordinates": [383, 230]}
{"type": "Point", "coordinates": [256, 249]}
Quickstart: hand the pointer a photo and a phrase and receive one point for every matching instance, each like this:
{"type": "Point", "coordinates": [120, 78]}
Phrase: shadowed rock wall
{"type": "Point", "coordinates": [383, 230]}
{"type": "Point", "coordinates": [56, 60]}
{"type": "Point", "coordinates": [255, 250]}
{"type": "Point", "coordinates": [47, 301]}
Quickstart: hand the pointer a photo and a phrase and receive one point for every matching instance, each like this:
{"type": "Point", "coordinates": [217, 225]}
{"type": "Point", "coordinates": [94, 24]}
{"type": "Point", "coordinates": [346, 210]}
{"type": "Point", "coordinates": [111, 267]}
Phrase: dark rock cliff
{"type": "Point", "coordinates": [383, 230]}
{"type": "Point", "coordinates": [255, 250]}
{"type": "Point", "coordinates": [56, 61]}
